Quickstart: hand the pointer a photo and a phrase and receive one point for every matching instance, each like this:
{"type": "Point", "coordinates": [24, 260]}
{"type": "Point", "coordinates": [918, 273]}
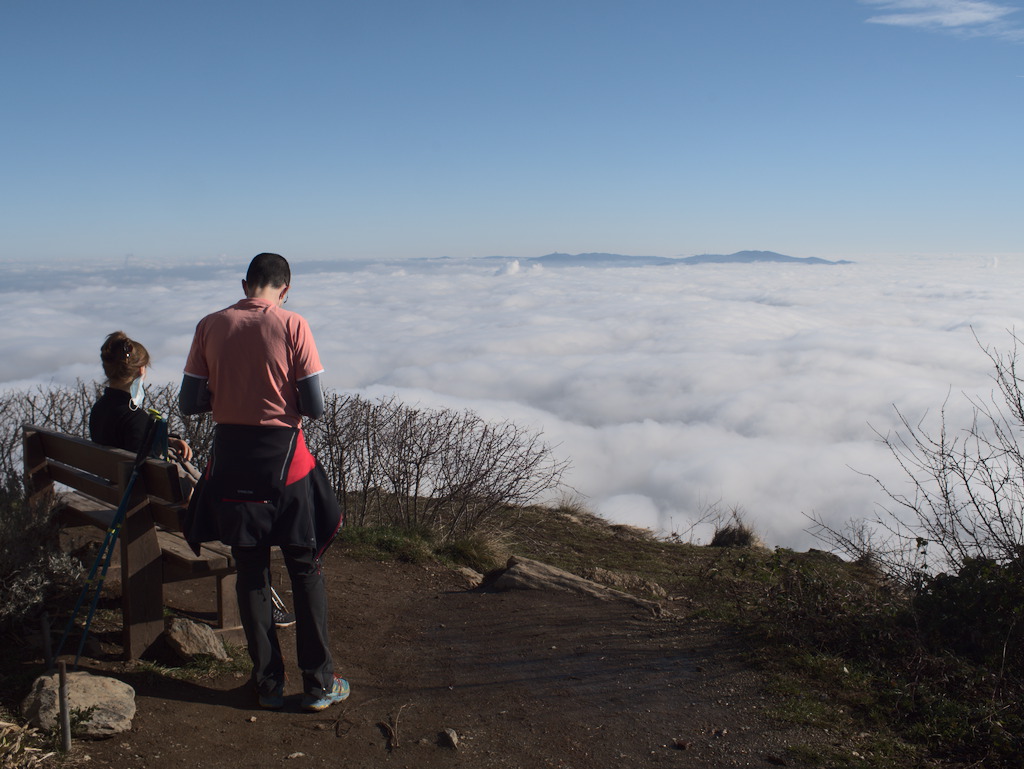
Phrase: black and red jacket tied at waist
{"type": "Point", "coordinates": [262, 487]}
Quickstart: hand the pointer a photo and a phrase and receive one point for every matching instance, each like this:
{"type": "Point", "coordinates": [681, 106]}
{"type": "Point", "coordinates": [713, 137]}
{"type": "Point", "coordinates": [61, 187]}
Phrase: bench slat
{"type": "Point", "coordinates": [180, 563]}
{"type": "Point", "coordinates": [78, 452]}
{"type": "Point", "coordinates": [79, 510]}
{"type": "Point", "coordinates": [94, 486]}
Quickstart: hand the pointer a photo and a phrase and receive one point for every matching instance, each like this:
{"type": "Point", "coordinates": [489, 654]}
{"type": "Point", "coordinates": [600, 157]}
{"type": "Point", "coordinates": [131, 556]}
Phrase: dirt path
{"type": "Point", "coordinates": [525, 679]}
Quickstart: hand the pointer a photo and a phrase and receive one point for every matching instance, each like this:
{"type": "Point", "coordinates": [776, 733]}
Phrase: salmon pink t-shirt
{"type": "Point", "coordinates": [253, 355]}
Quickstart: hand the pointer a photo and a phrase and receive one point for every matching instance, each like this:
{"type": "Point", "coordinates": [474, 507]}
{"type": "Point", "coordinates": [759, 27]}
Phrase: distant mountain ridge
{"type": "Point", "coordinates": [748, 257]}
{"type": "Point", "coordinates": [622, 260]}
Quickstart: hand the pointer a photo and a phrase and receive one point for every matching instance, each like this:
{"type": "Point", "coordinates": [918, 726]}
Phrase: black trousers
{"type": "Point", "coordinates": [256, 608]}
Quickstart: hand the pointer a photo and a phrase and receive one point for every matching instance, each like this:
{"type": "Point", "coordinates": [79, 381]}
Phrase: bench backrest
{"type": "Point", "coordinates": [99, 471]}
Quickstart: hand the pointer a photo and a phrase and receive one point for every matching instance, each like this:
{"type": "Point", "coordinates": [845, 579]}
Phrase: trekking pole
{"type": "Point", "coordinates": [276, 600]}
{"type": "Point", "coordinates": [102, 562]}
{"type": "Point", "coordinates": [159, 446]}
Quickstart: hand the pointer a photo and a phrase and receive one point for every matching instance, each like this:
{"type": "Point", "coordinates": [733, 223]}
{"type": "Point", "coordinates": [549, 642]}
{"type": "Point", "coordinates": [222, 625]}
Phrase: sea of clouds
{"type": "Point", "coordinates": [670, 389]}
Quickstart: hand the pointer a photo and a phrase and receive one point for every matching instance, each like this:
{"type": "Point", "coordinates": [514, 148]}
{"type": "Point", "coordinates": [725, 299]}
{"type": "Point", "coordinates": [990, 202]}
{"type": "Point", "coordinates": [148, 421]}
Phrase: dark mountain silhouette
{"type": "Point", "coordinates": [749, 257]}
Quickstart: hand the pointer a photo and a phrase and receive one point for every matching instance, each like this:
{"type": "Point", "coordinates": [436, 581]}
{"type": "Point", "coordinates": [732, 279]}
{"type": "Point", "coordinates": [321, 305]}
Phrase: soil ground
{"type": "Point", "coordinates": [524, 678]}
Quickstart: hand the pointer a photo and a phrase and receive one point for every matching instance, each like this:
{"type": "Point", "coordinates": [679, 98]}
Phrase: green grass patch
{"type": "Point", "coordinates": [387, 543]}
{"type": "Point", "coordinates": [480, 551]}
{"type": "Point", "coordinates": [201, 668]}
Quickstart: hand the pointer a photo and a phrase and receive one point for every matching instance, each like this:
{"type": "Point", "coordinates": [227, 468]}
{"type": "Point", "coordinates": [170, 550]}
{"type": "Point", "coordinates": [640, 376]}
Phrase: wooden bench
{"type": "Point", "coordinates": [152, 550]}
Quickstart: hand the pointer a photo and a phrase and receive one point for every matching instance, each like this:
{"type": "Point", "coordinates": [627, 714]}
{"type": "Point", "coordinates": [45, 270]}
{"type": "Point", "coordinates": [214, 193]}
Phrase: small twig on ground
{"type": "Point", "coordinates": [390, 729]}
{"type": "Point", "coordinates": [343, 716]}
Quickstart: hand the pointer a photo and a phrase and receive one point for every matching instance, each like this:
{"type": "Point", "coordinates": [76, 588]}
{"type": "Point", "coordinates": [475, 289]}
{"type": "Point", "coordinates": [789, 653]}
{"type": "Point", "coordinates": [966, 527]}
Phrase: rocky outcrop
{"type": "Point", "coordinates": [99, 706]}
{"type": "Point", "coordinates": [632, 582]}
{"type": "Point", "coordinates": [526, 574]}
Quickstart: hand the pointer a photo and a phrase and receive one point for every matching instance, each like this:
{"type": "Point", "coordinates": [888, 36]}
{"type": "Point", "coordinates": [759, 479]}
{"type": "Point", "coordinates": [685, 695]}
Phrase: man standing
{"type": "Point", "coordinates": [256, 367]}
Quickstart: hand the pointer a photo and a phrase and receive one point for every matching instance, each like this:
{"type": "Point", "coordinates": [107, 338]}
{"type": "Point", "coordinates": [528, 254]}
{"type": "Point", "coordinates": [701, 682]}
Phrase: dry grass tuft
{"type": "Point", "coordinates": [19, 747]}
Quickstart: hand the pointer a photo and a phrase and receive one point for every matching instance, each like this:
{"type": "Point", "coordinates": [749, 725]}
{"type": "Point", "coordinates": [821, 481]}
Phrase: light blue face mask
{"type": "Point", "coordinates": [138, 392]}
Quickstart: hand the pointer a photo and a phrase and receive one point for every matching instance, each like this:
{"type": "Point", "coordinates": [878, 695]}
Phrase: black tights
{"type": "Point", "coordinates": [256, 608]}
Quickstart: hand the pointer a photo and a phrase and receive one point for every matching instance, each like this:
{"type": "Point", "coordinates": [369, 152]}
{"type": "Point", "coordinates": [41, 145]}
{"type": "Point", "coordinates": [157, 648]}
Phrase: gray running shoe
{"type": "Point", "coordinates": [283, 618]}
{"type": "Point", "coordinates": [326, 697]}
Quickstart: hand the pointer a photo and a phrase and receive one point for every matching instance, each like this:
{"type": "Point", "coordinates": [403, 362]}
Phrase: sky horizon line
{"type": "Point", "coordinates": [113, 261]}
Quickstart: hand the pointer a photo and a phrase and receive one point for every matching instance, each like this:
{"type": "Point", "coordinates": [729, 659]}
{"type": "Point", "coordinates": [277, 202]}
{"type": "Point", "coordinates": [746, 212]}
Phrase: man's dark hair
{"type": "Point", "coordinates": [268, 270]}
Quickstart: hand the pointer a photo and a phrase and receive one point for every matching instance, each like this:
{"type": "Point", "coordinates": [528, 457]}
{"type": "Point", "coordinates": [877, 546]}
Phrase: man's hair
{"type": "Point", "coordinates": [268, 270]}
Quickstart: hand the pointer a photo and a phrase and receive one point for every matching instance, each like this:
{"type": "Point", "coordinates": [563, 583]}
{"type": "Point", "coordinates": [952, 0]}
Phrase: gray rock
{"type": "Point", "coordinates": [625, 581]}
{"type": "Point", "coordinates": [450, 737]}
{"type": "Point", "coordinates": [194, 639]}
{"type": "Point", "coordinates": [99, 706]}
{"type": "Point", "coordinates": [473, 578]}
{"type": "Point", "coordinates": [527, 574]}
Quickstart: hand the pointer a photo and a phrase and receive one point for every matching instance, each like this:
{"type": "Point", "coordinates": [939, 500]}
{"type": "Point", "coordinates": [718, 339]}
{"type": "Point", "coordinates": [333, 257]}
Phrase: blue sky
{"type": "Point", "coordinates": [191, 130]}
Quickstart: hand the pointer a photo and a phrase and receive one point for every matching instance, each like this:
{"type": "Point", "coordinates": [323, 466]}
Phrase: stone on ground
{"type": "Point", "coordinates": [99, 706]}
{"type": "Point", "coordinates": [194, 639]}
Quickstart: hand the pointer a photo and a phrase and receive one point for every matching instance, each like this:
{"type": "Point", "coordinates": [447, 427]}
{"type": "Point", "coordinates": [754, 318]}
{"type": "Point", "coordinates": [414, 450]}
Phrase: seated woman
{"type": "Point", "coordinates": [118, 418]}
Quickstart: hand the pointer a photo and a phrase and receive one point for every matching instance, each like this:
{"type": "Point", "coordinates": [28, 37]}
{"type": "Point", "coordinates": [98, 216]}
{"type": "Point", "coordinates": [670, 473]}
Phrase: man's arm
{"type": "Point", "coordinates": [194, 396]}
{"type": "Point", "coordinates": [311, 398]}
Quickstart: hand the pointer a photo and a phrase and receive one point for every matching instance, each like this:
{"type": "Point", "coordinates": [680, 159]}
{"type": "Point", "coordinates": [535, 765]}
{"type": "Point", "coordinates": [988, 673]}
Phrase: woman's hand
{"type": "Point", "coordinates": [181, 448]}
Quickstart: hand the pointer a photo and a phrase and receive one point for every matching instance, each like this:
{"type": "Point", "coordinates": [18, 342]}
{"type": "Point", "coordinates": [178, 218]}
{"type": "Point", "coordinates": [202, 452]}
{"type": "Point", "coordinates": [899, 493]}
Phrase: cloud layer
{"type": "Point", "coordinates": [669, 388]}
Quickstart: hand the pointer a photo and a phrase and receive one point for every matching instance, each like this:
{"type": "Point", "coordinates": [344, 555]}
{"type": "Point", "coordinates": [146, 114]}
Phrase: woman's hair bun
{"type": "Point", "coordinates": [122, 357]}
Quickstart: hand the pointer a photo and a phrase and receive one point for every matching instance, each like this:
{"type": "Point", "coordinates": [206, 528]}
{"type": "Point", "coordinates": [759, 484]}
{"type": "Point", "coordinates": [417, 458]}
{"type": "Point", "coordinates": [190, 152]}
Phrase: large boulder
{"type": "Point", "coordinates": [99, 706]}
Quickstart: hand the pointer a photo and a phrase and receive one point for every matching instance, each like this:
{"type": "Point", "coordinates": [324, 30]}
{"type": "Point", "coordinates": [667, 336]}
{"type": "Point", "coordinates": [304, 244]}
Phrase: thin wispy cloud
{"type": "Point", "coordinates": [968, 17]}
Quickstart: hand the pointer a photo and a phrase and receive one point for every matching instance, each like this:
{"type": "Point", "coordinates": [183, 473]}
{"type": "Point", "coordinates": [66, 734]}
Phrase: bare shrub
{"type": "Point", "coordinates": [709, 514]}
{"type": "Point", "coordinates": [872, 544]}
{"type": "Point", "coordinates": [734, 531]}
{"type": "Point", "coordinates": [344, 441]}
{"type": "Point", "coordinates": [448, 471]}
{"type": "Point", "coordinates": [966, 489]}
{"type": "Point", "coordinates": [11, 482]}
{"type": "Point", "coordinates": [955, 538]}
{"type": "Point", "coordinates": [391, 464]}
{"type": "Point", "coordinates": [31, 563]}
{"type": "Point", "coordinates": [61, 408]}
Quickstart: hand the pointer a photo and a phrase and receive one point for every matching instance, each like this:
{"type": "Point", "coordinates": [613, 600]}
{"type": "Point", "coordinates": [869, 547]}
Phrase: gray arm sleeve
{"type": "Point", "coordinates": [194, 396]}
{"type": "Point", "coordinates": [311, 398]}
